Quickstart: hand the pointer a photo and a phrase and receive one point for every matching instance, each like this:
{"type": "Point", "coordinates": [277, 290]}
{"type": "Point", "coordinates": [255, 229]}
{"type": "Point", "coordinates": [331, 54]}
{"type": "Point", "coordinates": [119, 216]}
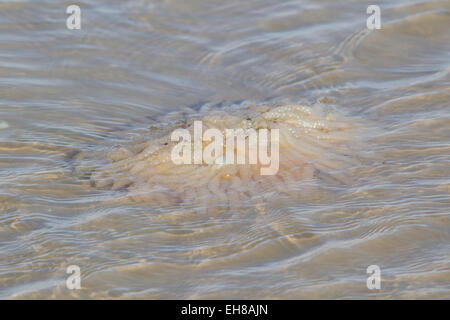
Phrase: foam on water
{"type": "Point", "coordinates": [4, 125]}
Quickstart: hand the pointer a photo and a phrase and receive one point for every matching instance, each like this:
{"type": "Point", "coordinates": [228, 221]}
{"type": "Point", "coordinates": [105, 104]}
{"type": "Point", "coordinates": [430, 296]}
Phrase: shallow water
{"type": "Point", "coordinates": [134, 62]}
